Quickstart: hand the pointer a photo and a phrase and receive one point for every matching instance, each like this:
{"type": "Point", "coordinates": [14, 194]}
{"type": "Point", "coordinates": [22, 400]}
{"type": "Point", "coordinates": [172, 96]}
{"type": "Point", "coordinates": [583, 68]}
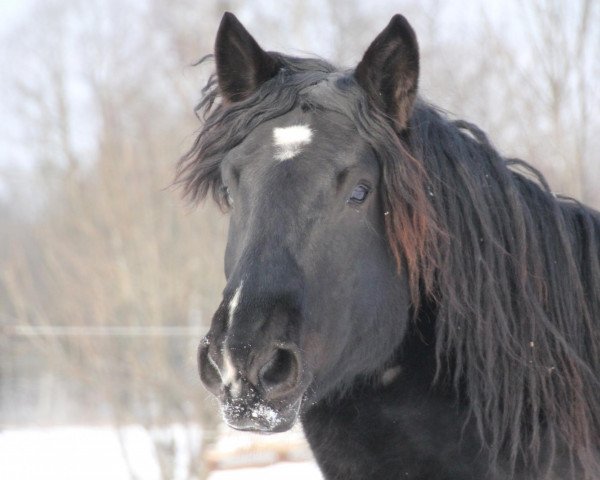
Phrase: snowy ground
{"type": "Point", "coordinates": [76, 453]}
{"type": "Point", "coordinates": [289, 471]}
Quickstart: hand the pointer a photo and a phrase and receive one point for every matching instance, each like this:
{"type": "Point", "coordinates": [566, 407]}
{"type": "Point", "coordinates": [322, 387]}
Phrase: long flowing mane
{"type": "Point", "coordinates": [512, 269]}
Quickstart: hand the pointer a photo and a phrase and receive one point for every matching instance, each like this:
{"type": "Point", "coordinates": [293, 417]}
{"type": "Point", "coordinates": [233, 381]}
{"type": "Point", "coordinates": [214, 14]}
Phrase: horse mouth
{"type": "Point", "coordinates": [259, 416]}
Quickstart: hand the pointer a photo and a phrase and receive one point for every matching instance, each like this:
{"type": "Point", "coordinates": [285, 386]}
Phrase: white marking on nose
{"type": "Point", "coordinates": [230, 375]}
{"type": "Point", "coordinates": [289, 141]}
{"type": "Point", "coordinates": [212, 362]}
{"type": "Point", "coordinates": [233, 304]}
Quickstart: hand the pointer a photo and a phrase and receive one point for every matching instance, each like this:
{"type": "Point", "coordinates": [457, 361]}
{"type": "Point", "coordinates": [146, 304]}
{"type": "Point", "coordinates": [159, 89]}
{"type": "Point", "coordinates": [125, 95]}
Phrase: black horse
{"type": "Point", "coordinates": [427, 308]}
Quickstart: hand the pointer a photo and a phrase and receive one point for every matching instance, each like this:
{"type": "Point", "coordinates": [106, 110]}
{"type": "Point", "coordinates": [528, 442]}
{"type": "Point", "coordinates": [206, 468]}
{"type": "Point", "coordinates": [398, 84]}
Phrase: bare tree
{"type": "Point", "coordinates": [112, 245]}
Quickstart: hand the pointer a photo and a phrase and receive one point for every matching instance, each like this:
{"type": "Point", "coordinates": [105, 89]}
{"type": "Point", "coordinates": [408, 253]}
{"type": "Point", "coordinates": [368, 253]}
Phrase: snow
{"type": "Point", "coordinates": [95, 453]}
{"type": "Point", "coordinates": [287, 470]}
{"type": "Point", "coordinates": [72, 453]}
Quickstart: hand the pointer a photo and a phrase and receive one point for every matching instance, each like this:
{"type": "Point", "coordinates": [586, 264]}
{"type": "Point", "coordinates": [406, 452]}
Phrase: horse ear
{"type": "Point", "coordinates": [389, 70]}
{"type": "Point", "coordinates": [242, 66]}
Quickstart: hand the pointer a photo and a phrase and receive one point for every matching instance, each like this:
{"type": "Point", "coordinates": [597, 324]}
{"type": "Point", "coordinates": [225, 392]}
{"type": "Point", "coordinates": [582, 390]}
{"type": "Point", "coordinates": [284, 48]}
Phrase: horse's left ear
{"type": "Point", "coordinates": [389, 70]}
{"type": "Point", "coordinates": [242, 66]}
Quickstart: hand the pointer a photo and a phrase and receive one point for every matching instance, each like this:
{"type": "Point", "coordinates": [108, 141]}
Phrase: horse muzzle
{"type": "Point", "coordinates": [259, 389]}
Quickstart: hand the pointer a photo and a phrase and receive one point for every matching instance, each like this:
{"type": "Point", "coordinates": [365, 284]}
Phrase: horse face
{"type": "Point", "coordinates": [312, 297]}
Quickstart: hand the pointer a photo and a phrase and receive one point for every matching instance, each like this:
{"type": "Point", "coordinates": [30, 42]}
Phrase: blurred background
{"type": "Point", "coordinates": [108, 279]}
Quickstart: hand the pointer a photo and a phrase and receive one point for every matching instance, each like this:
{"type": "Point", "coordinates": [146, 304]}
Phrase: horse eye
{"type": "Point", "coordinates": [359, 194]}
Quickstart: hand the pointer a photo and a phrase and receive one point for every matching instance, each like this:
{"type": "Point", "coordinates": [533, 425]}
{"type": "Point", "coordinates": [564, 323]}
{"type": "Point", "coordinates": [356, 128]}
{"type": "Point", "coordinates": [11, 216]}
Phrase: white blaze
{"type": "Point", "coordinates": [289, 141]}
{"type": "Point", "coordinates": [229, 375]}
{"type": "Point", "coordinates": [233, 304]}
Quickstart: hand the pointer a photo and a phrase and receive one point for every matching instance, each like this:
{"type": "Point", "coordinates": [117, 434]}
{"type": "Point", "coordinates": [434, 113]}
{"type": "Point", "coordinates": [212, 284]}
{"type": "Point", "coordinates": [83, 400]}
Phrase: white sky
{"type": "Point", "coordinates": [10, 11]}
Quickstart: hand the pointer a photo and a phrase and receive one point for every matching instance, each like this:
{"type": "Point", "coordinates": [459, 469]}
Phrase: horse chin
{"type": "Point", "coordinates": [260, 417]}
{"type": "Point", "coordinates": [283, 425]}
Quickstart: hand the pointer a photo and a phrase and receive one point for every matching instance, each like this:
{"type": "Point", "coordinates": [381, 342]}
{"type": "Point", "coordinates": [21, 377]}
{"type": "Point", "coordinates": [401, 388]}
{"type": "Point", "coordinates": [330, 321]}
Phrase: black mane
{"type": "Point", "coordinates": [513, 270]}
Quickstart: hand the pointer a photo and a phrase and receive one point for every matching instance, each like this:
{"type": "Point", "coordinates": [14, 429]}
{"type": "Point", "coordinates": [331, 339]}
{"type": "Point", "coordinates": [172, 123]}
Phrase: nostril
{"type": "Point", "coordinates": [209, 373]}
{"type": "Point", "coordinates": [280, 374]}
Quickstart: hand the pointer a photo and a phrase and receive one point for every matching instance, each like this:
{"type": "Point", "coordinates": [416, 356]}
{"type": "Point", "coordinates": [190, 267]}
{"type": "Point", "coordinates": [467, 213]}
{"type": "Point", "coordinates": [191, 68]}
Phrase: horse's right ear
{"type": "Point", "coordinates": [242, 66]}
